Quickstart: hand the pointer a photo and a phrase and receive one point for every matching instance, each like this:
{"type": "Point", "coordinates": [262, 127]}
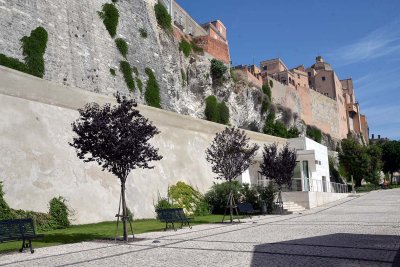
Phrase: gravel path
{"type": "Point", "coordinates": [356, 231]}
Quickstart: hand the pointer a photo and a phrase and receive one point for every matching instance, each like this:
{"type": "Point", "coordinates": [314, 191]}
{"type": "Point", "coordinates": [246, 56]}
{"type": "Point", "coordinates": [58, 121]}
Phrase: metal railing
{"type": "Point", "coordinates": [311, 185]}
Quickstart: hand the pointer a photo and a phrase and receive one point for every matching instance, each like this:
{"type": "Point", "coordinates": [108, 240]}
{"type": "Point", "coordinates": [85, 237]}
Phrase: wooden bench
{"type": "Point", "coordinates": [19, 229]}
{"type": "Point", "coordinates": [247, 208]}
{"type": "Point", "coordinates": [172, 216]}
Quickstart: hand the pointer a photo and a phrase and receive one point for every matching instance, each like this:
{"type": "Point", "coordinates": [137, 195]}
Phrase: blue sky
{"type": "Point", "coordinates": [360, 38]}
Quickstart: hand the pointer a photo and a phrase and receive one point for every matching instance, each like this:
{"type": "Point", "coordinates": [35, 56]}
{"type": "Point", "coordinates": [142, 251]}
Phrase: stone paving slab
{"type": "Point", "coordinates": [356, 231]}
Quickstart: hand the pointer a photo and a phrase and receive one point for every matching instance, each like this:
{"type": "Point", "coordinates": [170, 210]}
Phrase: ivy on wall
{"type": "Point", "coordinates": [152, 94]}
{"type": "Point", "coordinates": [33, 49]}
{"type": "Point", "coordinates": [126, 70]}
{"type": "Point", "coordinates": [110, 17]}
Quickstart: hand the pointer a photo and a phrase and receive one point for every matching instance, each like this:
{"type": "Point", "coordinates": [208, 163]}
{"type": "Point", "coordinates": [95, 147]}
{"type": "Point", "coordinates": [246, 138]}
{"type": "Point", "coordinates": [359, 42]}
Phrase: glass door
{"type": "Point", "coordinates": [306, 176]}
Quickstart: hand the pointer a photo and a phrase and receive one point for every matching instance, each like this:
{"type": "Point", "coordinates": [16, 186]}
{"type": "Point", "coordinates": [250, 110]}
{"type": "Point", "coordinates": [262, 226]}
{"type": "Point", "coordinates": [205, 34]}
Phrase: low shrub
{"type": "Point", "coordinates": [112, 71]}
{"type": "Point", "coordinates": [163, 203]}
{"type": "Point", "coordinates": [250, 195]}
{"type": "Point", "coordinates": [264, 106]}
{"type": "Point", "coordinates": [268, 194]}
{"type": "Point", "coordinates": [185, 47]}
{"type": "Point", "coordinates": [41, 220]}
{"type": "Point", "coordinates": [314, 133]}
{"type": "Point", "coordinates": [253, 126]}
{"type": "Point", "coordinates": [293, 132]}
{"type": "Point", "coordinates": [143, 32]}
{"type": "Point", "coordinates": [186, 197]}
{"type": "Point", "coordinates": [164, 20]}
{"type": "Point", "coordinates": [126, 70]}
{"type": "Point", "coordinates": [13, 63]}
{"type": "Point", "coordinates": [110, 17]}
{"type": "Point", "coordinates": [152, 94]}
{"type": "Point", "coordinates": [122, 46]}
{"type": "Point", "coordinates": [275, 128]}
{"type": "Point", "coordinates": [217, 196]}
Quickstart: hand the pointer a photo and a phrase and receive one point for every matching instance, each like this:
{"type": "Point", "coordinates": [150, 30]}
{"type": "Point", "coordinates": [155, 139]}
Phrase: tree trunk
{"type": "Point", "coordinates": [230, 201]}
{"type": "Point", "coordinates": [124, 211]}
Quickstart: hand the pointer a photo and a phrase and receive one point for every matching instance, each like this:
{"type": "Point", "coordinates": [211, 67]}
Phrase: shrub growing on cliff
{"type": "Point", "coordinates": [223, 113]}
{"type": "Point", "coordinates": [33, 48]}
{"type": "Point", "coordinates": [122, 46]}
{"type": "Point", "coordinates": [267, 90]}
{"type": "Point", "coordinates": [13, 63]}
{"type": "Point", "coordinates": [184, 77]}
{"type": "Point", "coordinates": [211, 110]}
{"type": "Point", "coordinates": [185, 47]}
{"type": "Point", "coordinates": [163, 18]}
{"type": "Point", "coordinates": [218, 70]}
{"type": "Point", "coordinates": [59, 213]}
{"type": "Point", "coordinates": [271, 83]}
{"type": "Point", "coordinates": [110, 17]}
{"type": "Point", "coordinates": [127, 72]}
{"type": "Point", "coordinates": [314, 133]}
{"type": "Point", "coordinates": [139, 84]}
{"type": "Point", "coordinates": [196, 48]}
{"type": "Point", "coordinates": [152, 94]}
{"type": "Point", "coordinates": [117, 138]}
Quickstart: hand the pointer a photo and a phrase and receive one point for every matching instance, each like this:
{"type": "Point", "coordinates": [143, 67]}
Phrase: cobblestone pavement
{"type": "Point", "coordinates": [356, 231]}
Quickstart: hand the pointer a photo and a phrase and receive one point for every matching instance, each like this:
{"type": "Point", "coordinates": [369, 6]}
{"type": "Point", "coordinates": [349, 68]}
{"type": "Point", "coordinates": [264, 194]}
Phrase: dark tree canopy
{"type": "Point", "coordinates": [278, 166]}
{"type": "Point", "coordinates": [391, 156]}
{"type": "Point", "coordinates": [354, 159]}
{"type": "Point", "coordinates": [230, 153]}
{"type": "Point", "coordinates": [116, 137]}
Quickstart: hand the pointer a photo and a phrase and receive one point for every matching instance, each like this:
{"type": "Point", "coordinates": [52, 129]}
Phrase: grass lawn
{"type": "Point", "coordinates": [104, 230]}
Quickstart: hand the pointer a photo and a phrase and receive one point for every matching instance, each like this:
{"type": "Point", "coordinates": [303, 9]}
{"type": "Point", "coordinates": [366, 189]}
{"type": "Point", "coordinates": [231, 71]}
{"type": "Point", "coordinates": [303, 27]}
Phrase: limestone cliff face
{"type": "Point", "coordinates": [80, 53]}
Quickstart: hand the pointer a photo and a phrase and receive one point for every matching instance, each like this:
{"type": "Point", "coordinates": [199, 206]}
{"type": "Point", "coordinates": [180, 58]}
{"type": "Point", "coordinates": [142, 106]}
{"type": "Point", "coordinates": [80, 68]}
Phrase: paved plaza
{"type": "Point", "coordinates": [356, 231]}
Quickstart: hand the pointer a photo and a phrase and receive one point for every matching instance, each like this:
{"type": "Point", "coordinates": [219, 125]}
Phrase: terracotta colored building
{"type": "Point", "coordinates": [322, 78]}
{"type": "Point", "coordinates": [250, 74]}
{"type": "Point", "coordinates": [211, 36]}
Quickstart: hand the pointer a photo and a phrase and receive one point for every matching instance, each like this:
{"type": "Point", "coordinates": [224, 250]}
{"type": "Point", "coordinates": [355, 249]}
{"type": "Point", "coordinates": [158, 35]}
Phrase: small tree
{"type": "Point", "coordinates": [117, 139]}
{"type": "Point", "coordinates": [279, 166]}
{"type": "Point", "coordinates": [375, 165]}
{"type": "Point", "coordinates": [230, 154]}
{"type": "Point", "coordinates": [391, 157]}
{"type": "Point", "coordinates": [354, 160]}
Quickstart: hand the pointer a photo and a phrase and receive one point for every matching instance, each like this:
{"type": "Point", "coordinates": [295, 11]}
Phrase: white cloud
{"type": "Point", "coordinates": [381, 42]}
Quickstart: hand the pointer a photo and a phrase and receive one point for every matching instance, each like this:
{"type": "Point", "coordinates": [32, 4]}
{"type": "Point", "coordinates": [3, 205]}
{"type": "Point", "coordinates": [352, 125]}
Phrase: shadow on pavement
{"type": "Point", "coordinates": [331, 250]}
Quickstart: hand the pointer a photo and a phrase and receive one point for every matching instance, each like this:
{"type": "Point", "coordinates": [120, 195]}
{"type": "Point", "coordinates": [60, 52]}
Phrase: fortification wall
{"type": "Point", "coordinates": [312, 107]}
{"type": "Point", "coordinates": [38, 164]}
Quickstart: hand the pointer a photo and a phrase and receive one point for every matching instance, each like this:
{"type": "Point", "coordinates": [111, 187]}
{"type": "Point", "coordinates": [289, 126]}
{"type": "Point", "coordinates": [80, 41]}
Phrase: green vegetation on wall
{"type": "Point", "coordinates": [196, 48]}
{"type": "Point", "coordinates": [267, 90]}
{"type": "Point", "coordinates": [185, 47]}
{"type": "Point", "coordinates": [314, 133]}
{"type": "Point", "coordinates": [216, 112]}
{"type": "Point", "coordinates": [163, 18]}
{"type": "Point", "coordinates": [126, 70]}
{"type": "Point", "coordinates": [217, 69]}
{"type": "Point", "coordinates": [139, 84]}
{"type": "Point", "coordinates": [110, 17]}
{"type": "Point", "coordinates": [112, 71]}
{"type": "Point", "coordinates": [277, 128]}
{"type": "Point", "coordinates": [152, 94]}
{"type": "Point", "coordinates": [33, 49]}
{"type": "Point", "coordinates": [122, 46]}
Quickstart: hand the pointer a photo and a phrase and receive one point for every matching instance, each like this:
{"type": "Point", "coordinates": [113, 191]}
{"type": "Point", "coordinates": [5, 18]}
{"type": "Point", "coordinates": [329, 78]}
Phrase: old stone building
{"type": "Point", "coordinates": [320, 77]}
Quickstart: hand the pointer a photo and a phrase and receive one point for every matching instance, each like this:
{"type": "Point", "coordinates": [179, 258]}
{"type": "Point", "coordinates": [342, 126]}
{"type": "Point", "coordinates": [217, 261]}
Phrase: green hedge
{"type": "Point", "coordinates": [127, 73]}
{"type": "Point", "coordinates": [122, 46]}
{"type": "Point", "coordinates": [152, 94]}
{"type": "Point", "coordinates": [163, 18]}
{"type": "Point", "coordinates": [110, 17]}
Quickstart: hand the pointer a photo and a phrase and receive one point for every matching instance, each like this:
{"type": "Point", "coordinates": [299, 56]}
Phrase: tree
{"type": "Point", "coordinates": [116, 137]}
{"type": "Point", "coordinates": [354, 159]}
{"type": "Point", "coordinates": [230, 154]}
{"type": "Point", "coordinates": [375, 164]}
{"type": "Point", "coordinates": [391, 157]}
{"type": "Point", "coordinates": [278, 166]}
